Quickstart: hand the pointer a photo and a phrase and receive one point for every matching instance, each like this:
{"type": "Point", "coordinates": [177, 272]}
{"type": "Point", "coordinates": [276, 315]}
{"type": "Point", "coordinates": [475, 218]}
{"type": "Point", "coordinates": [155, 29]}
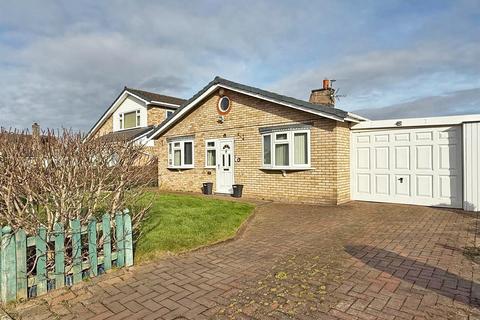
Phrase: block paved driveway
{"type": "Point", "coordinates": [355, 261]}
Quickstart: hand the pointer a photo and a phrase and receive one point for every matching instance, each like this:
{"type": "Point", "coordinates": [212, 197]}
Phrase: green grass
{"type": "Point", "coordinates": [178, 223]}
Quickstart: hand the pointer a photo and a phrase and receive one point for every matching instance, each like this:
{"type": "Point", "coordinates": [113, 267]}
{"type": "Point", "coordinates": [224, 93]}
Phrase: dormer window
{"type": "Point", "coordinates": [129, 120]}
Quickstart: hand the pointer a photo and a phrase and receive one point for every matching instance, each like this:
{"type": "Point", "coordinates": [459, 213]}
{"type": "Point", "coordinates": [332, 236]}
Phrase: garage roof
{"type": "Point", "coordinates": [417, 122]}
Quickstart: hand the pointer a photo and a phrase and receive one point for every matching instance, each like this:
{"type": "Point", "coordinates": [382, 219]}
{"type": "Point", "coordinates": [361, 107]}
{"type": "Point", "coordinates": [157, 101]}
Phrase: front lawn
{"type": "Point", "coordinates": [179, 223]}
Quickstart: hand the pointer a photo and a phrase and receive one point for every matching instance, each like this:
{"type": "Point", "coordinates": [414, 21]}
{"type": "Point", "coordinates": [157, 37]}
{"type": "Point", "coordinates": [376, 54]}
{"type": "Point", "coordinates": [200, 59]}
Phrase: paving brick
{"type": "Point", "coordinates": [353, 261]}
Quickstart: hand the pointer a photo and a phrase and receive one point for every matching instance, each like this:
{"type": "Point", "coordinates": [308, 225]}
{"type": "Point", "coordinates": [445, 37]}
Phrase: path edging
{"type": "Point", "coordinates": [4, 315]}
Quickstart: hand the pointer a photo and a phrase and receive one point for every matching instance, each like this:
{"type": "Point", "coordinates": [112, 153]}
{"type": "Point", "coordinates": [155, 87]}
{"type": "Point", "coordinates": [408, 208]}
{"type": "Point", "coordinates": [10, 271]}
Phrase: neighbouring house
{"type": "Point", "coordinates": [286, 149]}
{"type": "Point", "coordinates": [133, 114]}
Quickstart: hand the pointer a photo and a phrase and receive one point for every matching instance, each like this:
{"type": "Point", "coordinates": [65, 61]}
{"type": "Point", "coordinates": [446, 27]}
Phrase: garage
{"type": "Point", "coordinates": [415, 161]}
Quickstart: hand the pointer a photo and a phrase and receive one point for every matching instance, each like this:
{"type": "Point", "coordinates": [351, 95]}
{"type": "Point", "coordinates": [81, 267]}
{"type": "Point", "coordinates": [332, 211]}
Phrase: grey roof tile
{"type": "Point", "coordinates": [125, 135]}
{"type": "Point", "coordinates": [152, 96]}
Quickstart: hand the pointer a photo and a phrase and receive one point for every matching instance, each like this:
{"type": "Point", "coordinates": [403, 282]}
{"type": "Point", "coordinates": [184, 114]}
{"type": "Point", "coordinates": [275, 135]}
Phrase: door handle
{"type": "Point", "coordinates": [400, 179]}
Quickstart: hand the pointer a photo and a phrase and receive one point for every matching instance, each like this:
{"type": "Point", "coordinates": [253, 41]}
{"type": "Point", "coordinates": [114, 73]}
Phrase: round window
{"type": "Point", "coordinates": [224, 105]}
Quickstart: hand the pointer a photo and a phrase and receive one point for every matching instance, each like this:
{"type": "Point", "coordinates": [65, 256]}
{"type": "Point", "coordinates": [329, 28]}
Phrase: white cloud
{"type": "Point", "coordinates": [62, 62]}
{"type": "Point", "coordinates": [380, 78]}
{"type": "Point", "coordinates": [454, 103]}
{"type": "Point", "coordinates": [73, 59]}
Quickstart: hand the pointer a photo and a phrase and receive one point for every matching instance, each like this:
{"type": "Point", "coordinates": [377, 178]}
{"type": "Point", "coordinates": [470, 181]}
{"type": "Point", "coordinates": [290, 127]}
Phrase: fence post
{"type": "Point", "coordinates": [107, 242]}
{"type": "Point", "coordinates": [76, 250]}
{"type": "Point", "coordinates": [41, 253]}
{"type": "Point", "coordinates": [92, 247]}
{"type": "Point", "coordinates": [1, 270]}
{"type": "Point", "coordinates": [21, 244]}
{"type": "Point", "coordinates": [127, 225]}
{"type": "Point", "coordinates": [1, 264]}
{"type": "Point", "coordinates": [59, 255]}
{"type": "Point", "coordinates": [120, 239]}
{"type": "Point", "coordinates": [9, 265]}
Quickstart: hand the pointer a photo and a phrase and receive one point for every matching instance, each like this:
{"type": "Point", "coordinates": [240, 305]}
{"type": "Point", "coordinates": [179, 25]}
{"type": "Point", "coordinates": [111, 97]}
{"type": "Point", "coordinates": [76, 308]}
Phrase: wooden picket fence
{"type": "Point", "coordinates": [16, 250]}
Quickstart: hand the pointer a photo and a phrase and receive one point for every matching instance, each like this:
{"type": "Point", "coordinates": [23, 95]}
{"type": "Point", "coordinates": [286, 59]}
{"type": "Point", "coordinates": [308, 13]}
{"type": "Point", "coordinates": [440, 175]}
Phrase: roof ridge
{"type": "Point", "coordinates": [329, 108]}
{"type": "Point", "coordinates": [161, 94]}
{"type": "Point", "coordinates": [150, 96]}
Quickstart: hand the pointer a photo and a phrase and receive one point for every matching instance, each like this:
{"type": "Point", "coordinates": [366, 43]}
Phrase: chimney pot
{"type": "Point", "coordinates": [326, 84]}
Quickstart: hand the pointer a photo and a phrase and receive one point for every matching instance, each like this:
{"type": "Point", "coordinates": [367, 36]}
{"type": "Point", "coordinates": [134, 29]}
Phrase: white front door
{"type": "Point", "coordinates": [225, 166]}
{"type": "Point", "coordinates": [415, 166]}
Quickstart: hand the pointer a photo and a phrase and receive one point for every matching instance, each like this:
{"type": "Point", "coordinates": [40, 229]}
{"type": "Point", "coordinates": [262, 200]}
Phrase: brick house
{"type": "Point", "coordinates": [278, 147]}
{"type": "Point", "coordinates": [133, 114]}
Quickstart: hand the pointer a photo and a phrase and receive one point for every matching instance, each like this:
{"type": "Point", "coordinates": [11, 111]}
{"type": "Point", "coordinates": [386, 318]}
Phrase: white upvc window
{"type": "Point", "coordinates": [169, 113]}
{"type": "Point", "coordinates": [286, 150]}
{"type": "Point", "coordinates": [210, 153]}
{"type": "Point", "coordinates": [129, 120]}
{"type": "Point", "coordinates": [180, 153]}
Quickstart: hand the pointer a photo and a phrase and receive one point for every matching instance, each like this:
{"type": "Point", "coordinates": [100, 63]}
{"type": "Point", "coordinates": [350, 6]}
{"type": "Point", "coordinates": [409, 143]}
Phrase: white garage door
{"type": "Point", "coordinates": [414, 166]}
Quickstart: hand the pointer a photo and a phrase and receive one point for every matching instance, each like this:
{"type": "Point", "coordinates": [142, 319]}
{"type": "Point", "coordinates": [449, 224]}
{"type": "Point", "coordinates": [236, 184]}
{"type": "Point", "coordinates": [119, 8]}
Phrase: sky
{"type": "Point", "coordinates": [62, 63]}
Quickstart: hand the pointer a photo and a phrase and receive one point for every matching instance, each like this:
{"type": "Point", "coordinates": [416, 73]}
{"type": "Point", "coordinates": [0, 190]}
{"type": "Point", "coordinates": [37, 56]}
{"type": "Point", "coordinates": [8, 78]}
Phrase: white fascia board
{"type": "Point", "coordinates": [112, 110]}
{"type": "Point", "coordinates": [214, 87]}
{"type": "Point", "coordinates": [134, 95]}
{"type": "Point", "coordinates": [159, 103]}
{"type": "Point", "coordinates": [350, 119]}
{"type": "Point", "coordinates": [142, 135]}
{"type": "Point", "coordinates": [417, 122]}
{"type": "Point", "coordinates": [357, 117]}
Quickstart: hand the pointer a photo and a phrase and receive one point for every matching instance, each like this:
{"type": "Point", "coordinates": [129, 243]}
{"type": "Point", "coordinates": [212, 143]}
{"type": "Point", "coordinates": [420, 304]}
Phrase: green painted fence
{"type": "Point", "coordinates": [51, 271]}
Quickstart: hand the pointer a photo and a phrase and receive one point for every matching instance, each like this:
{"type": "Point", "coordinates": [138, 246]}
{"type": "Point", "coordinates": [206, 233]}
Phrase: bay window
{"type": "Point", "coordinates": [180, 153]}
{"type": "Point", "coordinates": [286, 150]}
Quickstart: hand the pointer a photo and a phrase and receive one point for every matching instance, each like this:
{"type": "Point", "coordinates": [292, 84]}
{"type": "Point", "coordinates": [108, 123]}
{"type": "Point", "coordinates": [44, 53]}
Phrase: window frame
{"type": "Point", "coordinates": [290, 140]}
{"type": "Point", "coordinates": [263, 150]}
{"type": "Point", "coordinates": [171, 148]}
{"type": "Point", "coordinates": [138, 119]}
{"type": "Point", "coordinates": [168, 111]}
{"type": "Point", "coordinates": [207, 148]}
{"type": "Point", "coordinates": [219, 108]}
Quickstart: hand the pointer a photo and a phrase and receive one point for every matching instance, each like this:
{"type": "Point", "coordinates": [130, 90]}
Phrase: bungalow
{"type": "Point", "coordinates": [286, 149]}
{"type": "Point", "coordinates": [278, 147]}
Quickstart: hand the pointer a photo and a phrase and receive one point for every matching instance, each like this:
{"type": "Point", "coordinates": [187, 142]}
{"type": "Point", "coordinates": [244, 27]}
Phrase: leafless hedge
{"type": "Point", "coordinates": [56, 176]}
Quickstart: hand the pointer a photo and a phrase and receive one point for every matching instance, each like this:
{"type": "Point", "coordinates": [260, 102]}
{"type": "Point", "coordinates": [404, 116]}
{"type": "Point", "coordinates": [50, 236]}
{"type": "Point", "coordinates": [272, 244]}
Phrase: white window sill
{"type": "Point", "coordinates": [180, 168]}
{"type": "Point", "coordinates": [287, 168]}
{"type": "Point", "coordinates": [214, 167]}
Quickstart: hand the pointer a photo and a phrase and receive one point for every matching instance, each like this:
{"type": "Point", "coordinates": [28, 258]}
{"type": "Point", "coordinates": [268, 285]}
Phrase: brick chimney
{"type": "Point", "coordinates": [325, 95]}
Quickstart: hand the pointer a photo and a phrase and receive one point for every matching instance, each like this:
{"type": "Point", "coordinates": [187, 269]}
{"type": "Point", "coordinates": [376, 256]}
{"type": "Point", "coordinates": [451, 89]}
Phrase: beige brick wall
{"type": "Point", "coordinates": [326, 183]}
{"type": "Point", "coordinates": [107, 127]}
{"type": "Point", "coordinates": [343, 162]}
{"type": "Point", "coordinates": [155, 115]}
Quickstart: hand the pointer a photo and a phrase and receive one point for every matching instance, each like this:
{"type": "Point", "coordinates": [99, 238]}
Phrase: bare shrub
{"type": "Point", "coordinates": [56, 177]}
